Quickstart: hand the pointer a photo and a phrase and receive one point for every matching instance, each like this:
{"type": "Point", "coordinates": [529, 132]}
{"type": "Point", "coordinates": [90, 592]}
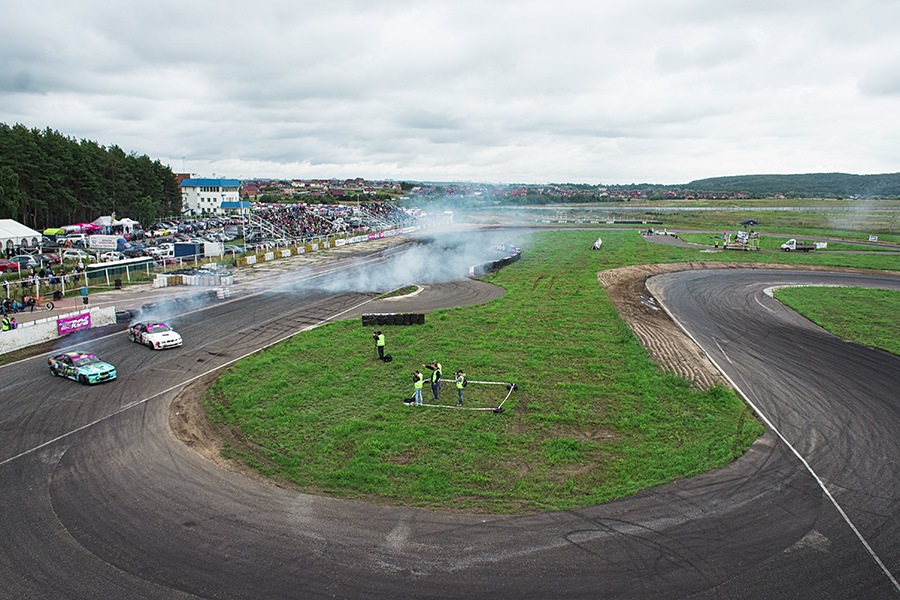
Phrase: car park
{"type": "Point", "coordinates": [82, 367]}
{"type": "Point", "coordinates": [157, 336]}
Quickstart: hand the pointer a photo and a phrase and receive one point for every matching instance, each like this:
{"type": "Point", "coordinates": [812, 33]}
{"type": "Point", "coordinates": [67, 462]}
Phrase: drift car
{"type": "Point", "coordinates": [154, 335]}
{"type": "Point", "coordinates": [83, 367]}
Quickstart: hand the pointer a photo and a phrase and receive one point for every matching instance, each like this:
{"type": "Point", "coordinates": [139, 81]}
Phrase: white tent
{"type": "Point", "coordinates": [13, 233]}
{"type": "Point", "coordinates": [129, 225]}
{"type": "Point", "coordinates": [103, 222]}
{"type": "Point", "coordinates": [109, 224]}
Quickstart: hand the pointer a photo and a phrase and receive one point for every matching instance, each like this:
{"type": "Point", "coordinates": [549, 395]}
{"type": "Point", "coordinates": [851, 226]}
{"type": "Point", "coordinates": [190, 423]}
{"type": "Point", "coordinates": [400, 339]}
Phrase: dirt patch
{"type": "Point", "coordinates": [189, 423]}
{"type": "Point", "coordinates": [668, 346]}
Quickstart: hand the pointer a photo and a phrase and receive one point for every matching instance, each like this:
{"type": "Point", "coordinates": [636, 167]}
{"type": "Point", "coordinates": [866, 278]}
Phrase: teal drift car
{"type": "Point", "coordinates": [83, 367]}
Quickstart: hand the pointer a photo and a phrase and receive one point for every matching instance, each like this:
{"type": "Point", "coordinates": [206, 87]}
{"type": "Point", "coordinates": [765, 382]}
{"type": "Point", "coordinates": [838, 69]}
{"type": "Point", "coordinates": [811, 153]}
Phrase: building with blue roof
{"type": "Point", "coordinates": [205, 196]}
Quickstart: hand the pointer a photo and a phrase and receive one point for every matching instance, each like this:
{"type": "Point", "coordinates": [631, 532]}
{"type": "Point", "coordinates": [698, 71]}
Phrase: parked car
{"type": "Point", "coordinates": [26, 261]}
{"type": "Point", "coordinates": [48, 258]}
{"type": "Point", "coordinates": [111, 256]}
{"type": "Point", "coordinates": [7, 266]}
{"type": "Point", "coordinates": [77, 255]}
{"type": "Point", "coordinates": [77, 239]}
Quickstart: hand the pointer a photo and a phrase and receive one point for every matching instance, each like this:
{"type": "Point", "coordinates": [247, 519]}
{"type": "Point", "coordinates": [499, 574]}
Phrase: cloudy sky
{"type": "Point", "coordinates": [661, 91]}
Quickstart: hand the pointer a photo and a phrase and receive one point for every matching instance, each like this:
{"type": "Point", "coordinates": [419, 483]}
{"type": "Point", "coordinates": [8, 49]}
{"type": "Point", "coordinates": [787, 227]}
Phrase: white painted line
{"type": "Point", "coordinates": [173, 388]}
{"type": "Point", "coordinates": [761, 305]}
{"type": "Point", "coordinates": [796, 453]}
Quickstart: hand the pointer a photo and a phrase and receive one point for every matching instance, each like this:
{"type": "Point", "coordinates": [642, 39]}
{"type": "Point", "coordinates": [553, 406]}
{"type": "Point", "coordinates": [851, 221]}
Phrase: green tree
{"type": "Point", "coordinates": [10, 194]}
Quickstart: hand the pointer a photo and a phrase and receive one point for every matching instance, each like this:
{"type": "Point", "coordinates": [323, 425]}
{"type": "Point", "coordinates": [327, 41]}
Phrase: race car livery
{"type": "Point", "coordinates": [83, 367]}
{"type": "Point", "coordinates": [155, 335]}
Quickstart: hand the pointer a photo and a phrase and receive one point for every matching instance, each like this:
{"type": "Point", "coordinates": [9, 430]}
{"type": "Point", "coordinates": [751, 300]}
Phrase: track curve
{"type": "Point", "coordinates": [100, 500]}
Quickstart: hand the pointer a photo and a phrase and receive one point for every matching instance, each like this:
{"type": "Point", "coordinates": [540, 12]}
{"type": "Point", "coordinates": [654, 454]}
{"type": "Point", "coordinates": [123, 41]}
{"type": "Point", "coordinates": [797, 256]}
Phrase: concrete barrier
{"type": "Point", "coordinates": [30, 333]}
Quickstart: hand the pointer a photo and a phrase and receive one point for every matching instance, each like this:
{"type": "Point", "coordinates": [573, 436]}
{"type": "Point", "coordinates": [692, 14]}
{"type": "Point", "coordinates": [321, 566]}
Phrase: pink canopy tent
{"type": "Point", "coordinates": [82, 228]}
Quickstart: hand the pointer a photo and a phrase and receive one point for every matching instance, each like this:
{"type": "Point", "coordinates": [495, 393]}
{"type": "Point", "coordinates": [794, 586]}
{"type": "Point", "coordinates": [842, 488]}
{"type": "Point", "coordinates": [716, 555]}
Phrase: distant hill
{"type": "Point", "coordinates": [809, 185]}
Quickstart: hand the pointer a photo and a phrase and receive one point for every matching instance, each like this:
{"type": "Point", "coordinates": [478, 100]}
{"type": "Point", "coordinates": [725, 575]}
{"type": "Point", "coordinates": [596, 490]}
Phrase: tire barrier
{"type": "Point", "coordinates": [479, 270]}
{"type": "Point", "coordinates": [373, 319]}
{"type": "Point", "coordinates": [172, 306]}
{"type": "Point", "coordinates": [123, 316]}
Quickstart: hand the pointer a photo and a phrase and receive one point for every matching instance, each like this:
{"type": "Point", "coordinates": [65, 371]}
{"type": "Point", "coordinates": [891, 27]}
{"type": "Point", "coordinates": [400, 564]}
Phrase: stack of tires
{"type": "Point", "coordinates": [375, 319]}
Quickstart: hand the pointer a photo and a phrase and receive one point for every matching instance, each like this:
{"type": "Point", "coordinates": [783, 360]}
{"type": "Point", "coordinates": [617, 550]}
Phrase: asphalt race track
{"type": "Point", "coordinates": [99, 500]}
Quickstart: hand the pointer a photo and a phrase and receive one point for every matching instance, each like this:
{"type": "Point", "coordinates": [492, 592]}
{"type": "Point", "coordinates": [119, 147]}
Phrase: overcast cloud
{"type": "Point", "coordinates": [657, 91]}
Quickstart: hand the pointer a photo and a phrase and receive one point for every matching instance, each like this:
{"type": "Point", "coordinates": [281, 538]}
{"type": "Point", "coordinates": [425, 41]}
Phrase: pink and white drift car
{"type": "Point", "coordinates": [154, 335]}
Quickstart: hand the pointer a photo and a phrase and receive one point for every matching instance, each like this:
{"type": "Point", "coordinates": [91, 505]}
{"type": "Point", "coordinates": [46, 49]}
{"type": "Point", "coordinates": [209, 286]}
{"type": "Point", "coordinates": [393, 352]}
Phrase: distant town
{"type": "Point", "coordinates": [256, 189]}
{"type": "Point", "coordinates": [359, 189]}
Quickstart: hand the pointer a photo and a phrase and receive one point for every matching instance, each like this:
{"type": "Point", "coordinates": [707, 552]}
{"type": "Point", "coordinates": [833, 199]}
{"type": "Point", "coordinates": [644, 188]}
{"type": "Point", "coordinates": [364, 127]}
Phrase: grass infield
{"type": "Point", "coordinates": [593, 419]}
{"type": "Point", "coordinates": [863, 316]}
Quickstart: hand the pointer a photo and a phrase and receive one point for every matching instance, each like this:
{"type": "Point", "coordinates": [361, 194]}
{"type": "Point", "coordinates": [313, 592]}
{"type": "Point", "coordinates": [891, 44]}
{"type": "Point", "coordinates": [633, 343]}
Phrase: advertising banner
{"type": "Point", "coordinates": [103, 242]}
{"type": "Point", "coordinates": [67, 325]}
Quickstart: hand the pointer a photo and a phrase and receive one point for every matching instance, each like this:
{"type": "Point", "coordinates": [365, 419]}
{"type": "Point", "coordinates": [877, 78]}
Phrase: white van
{"type": "Point", "coordinates": [77, 239]}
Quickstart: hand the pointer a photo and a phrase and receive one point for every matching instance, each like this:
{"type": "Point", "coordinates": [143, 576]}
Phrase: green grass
{"type": "Point", "coordinates": [863, 316]}
{"type": "Point", "coordinates": [593, 419]}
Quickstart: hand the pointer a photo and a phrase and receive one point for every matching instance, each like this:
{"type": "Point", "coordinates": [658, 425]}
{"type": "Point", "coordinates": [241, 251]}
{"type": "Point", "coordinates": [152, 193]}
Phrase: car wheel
{"type": "Point", "coordinates": [82, 379]}
{"type": "Point", "coordinates": [54, 371]}
{"type": "Point", "coordinates": [150, 344]}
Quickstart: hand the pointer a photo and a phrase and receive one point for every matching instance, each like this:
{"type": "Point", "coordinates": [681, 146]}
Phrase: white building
{"type": "Point", "coordinates": [205, 196]}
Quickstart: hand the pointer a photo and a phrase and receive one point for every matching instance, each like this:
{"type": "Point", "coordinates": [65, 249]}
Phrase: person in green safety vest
{"type": "Point", "coordinates": [379, 343]}
{"type": "Point", "coordinates": [418, 382]}
{"type": "Point", "coordinates": [461, 382]}
{"type": "Point", "coordinates": [436, 370]}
